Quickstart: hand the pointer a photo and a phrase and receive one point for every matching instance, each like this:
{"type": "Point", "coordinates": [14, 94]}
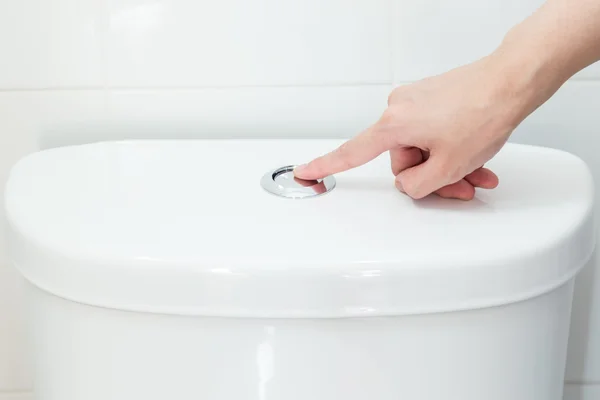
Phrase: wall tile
{"type": "Point", "coordinates": [242, 112]}
{"type": "Point", "coordinates": [70, 114]}
{"type": "Point", "coordinates": [47, 44]}
{"type": "Point", "coordinates": [182, 43]}
{"type": "Point", "coordinates": [570, 121]}
{"type": "Point", "coordinates": [431, 37]}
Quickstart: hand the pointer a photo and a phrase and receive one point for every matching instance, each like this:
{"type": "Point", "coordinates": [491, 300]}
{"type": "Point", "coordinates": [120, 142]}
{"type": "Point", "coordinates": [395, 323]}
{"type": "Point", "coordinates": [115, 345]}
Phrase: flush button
{"type": "Point", "coordinates": [282, 182]}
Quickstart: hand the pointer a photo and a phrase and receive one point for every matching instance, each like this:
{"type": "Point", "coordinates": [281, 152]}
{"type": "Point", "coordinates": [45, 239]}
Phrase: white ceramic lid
{"type": "Point", "coordinates": [184, 227]}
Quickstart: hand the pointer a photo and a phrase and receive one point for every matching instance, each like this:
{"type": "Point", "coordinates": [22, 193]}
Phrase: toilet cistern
{"type": "Point", "coordinates": [282, 182]}
{"type": "Point", "coordinates": [143, 284]}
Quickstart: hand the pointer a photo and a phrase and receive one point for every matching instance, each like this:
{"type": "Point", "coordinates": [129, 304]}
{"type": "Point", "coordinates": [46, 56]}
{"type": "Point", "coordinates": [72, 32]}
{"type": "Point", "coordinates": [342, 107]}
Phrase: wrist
{"type": "Point", "coordinates": [526, 74]}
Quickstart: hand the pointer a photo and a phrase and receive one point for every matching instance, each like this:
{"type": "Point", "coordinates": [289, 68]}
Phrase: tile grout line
{"type": "Point", "coordinates": [27, 395]}
{"type": "Point", "coordinates": [199, 88]}
{"type": "Point", "coordinates": [231, 88]}
{"type": "Point", "coordinates": [582, 383]}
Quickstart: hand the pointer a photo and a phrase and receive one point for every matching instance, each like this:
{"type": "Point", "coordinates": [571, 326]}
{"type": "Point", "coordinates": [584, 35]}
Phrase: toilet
{"type": "Point", "coordinates": [202, 269]}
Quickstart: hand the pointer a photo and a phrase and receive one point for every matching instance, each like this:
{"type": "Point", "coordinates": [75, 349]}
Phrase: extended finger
{"type": "Point", "coordinates": [353, 153]}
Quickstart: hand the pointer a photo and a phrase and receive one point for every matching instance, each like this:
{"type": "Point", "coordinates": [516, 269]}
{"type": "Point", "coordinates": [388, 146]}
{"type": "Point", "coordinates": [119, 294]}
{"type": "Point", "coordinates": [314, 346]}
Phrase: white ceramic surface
{"type": "Point", "coordinates": [515, 352]}
{"type": "Point", "coordinates": [243, 293]}
{"type": "Point", "coordinates": [113, 212]}
{"type": "Point", "coordinates": [568, 121]}
{"type": "Point", "coordinates": [571, 121]}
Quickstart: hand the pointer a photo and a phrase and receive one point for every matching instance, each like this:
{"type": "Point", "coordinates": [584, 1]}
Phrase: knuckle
{"type": "Point", "coordinates": [391, 117]}
{"type": "Point", "coordinates": [397, 94]}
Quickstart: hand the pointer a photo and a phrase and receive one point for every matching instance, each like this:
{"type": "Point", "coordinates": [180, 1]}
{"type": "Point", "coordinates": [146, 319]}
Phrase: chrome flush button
{"type": "Point", "coordinates": [282, 182]}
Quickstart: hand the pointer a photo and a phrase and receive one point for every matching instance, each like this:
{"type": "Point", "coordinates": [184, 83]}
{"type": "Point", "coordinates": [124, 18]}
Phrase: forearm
{"type": "Point", "coordinates": [540, 54]}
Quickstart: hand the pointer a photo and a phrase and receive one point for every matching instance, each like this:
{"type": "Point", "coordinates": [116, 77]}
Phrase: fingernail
{"type": "Point", "coordinates": [300, 169]}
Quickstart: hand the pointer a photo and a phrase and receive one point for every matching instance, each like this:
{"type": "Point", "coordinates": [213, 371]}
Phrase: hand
{"type": "Point", "coordinates": [439, 132]}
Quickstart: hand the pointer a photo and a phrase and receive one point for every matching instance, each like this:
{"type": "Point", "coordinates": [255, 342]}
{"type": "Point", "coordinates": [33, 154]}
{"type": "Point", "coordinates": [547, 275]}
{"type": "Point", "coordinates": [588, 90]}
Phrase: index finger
{"type": "Point", "coordinates": [355, 152]}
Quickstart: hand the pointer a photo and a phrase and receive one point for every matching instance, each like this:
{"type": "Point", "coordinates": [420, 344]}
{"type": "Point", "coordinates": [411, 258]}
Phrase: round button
{"type": "Point", "coordinates": [283, 183]}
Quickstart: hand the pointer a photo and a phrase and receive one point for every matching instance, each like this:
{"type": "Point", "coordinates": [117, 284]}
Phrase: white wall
{"type": "Point", "coordinates": [80, 70]}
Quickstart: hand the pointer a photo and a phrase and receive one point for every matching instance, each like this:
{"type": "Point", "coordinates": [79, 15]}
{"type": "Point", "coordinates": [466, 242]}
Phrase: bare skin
{"type": "Point", "coordinates": [440, 131]}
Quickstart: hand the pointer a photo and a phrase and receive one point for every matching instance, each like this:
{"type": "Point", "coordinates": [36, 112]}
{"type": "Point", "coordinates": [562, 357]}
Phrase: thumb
{"type": "Point", "coordinates": [353, 153]}
{"type": "Point", "coordinates": [424, 179]}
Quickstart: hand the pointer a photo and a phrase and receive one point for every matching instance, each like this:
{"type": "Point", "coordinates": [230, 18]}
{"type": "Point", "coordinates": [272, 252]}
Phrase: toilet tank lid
{"type": "Point", "coordinates": [184, 227]}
